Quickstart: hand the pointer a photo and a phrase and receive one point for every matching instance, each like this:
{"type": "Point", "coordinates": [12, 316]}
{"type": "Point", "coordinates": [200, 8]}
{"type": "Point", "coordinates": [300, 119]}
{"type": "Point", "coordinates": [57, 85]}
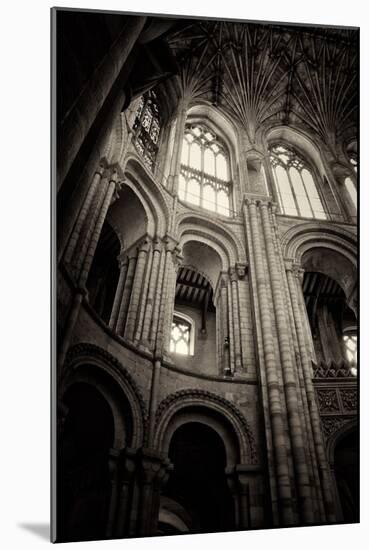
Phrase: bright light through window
{"type": "Point", "coordinates": [297, 192]}
{"type": "Point", "coordinates": [204, 179]}
{"type": "Point", "coordinates": [350, 341]}
{"type": "Point", "coordinates": [180, 337]}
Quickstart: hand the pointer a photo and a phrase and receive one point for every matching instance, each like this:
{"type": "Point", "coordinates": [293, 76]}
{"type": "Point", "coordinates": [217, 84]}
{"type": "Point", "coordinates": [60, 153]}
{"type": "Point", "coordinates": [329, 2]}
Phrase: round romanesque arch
{"type": "Point", "coordinates": [89, 364]}
{"type": "Point", "coordinates": [222, 416]}
{"type": "Point", "coordinates": [149, 192]}
{"type": "Point", "coordinates": [202, 227]}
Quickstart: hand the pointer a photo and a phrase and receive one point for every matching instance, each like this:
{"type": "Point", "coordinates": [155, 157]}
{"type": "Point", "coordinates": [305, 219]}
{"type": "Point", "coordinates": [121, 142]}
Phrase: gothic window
{"type": "Point", "coordinates": [205, 175]}
{"type": "Point", "coordinates": [182, 338]}
{"type": "Point", "coordinates": [297, 192]}
{"type": "Point", "coordinates": [146, 128]}
{"type": "Point", "coordinates": [350, 342]}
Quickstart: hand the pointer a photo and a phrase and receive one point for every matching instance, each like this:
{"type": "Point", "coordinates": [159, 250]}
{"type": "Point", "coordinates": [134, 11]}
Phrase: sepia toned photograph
{"type": "Point", "coordinates": [205, 177]}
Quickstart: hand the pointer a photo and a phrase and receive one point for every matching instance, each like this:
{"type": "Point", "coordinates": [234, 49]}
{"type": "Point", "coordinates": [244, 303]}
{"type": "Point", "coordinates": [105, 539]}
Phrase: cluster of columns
{"type": "Point", "coordinates": [136, 479]}
{"type": "Point", "coordinates": [246, 487]}
{"type": "Point", "coordinates": [229, 319]}
{"type": "Point", "coordinates": [300, 482]}
{"type": "Point", "coordinates": [85, 236]}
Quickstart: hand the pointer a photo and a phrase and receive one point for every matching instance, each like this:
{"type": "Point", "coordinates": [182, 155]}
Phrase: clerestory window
{"type": "Point", "coordinates": [147, 127]}
{"type": "Point", "coordinates": [297, 192]}
{"type": "Point", "coordinates": [182, 338]}
{"type": "Point", "coordinates": [205, 172]}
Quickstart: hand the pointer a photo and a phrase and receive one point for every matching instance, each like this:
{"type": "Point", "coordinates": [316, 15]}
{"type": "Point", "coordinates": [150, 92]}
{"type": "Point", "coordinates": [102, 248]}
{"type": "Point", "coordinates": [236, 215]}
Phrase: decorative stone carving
{"type": "Point", "coordinates": [349, 399]}
{"type": "Point", "coordinates": [206, 396]}
{"type": "Point", "coordinates": [332, 424]}
{"type": "Point", "coordinates": [328, 401]}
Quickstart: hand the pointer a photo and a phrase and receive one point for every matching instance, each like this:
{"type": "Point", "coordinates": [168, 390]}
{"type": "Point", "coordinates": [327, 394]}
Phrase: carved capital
{"type": "Point", "coordinates": [241, 270]}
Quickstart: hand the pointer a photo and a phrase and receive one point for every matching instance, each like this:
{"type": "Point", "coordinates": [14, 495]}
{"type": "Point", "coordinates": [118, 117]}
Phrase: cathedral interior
{"type": "Point", "coordinates": [206, 275]}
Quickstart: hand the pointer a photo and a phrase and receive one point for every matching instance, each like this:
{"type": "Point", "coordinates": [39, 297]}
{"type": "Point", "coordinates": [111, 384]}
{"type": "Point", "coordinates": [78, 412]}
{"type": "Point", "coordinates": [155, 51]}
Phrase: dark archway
{"type": "Point", "coordinates": [346, 468]}
{"type": "Point", "coordinates": [104, 273]}
{"type": "Point", "coordinates": [198, 482]}
{"type": "Point", "coordinates": [83, 470]}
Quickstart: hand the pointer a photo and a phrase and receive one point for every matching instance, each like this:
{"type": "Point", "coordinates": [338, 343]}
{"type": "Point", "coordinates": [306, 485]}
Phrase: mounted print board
{"type": "Point", "coordinates": [205, 373]}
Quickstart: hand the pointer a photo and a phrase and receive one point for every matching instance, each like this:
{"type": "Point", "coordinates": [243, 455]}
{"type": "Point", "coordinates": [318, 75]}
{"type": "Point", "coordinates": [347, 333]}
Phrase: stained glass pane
{"type": "Point", "coordinates": [300, 193]}
{"type": "Point", "coordinates": [146, 119]}
{"type": "Point", "coordinates": [222, 167]}
{"type": "Point", "coordinates": [223, 203]}
{"type": "Point", "coordinates": [195, 156]}
{"type": "Point", "coordinates": [209, 162]}
{"type": "Point", "coordinates": [209, 197]}
{"type": "Point", "coordinates": [184, 155]}
{"type": "Point", "coordinates": [288, 202]}
{"type": "Point", "coordinates": [193, 192]}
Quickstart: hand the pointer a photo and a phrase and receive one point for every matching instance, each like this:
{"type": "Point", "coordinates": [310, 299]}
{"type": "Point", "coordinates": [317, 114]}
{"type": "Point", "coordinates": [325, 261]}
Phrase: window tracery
{"type": "Point", "coordinates": [146, 127]}
{"type": "Point", "coordinates": [205, 175]}
{"type": "Point", "coordinates": [180, 338]}
{"type": "Point", "coordinates": [297, 192]}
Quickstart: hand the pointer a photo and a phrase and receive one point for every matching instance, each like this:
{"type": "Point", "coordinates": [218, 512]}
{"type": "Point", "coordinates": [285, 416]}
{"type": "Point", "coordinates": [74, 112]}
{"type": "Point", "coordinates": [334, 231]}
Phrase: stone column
{"type": "Point", "coordinates": [225, 328]}
{"type": "Point", "coordinates": [170, 299]}
{"type": "Point", "coordinates": [157, 300]}
{"type": "Point", "coordinates": [127, 469]}
{"type": "Point", "coordinates": [123, 267]}
{"type": "Point", "coordinates": [96, 180]}
{"type": "Point", "coordinates": [288, 375]}
{"type": "Point", "coordinates": [150, 469]}
{"type": "Point", "coordinates": [278, 427]}
{"type": "Point", "coordinates": [122, 314]}
{"type": "Point", "coordinates": [80, 118]}
{"type": "Point", "coordinates": [113, 471]}
{"type": "Point", "coordinates": [136, 289]}
{"type": "Point", "coordinates": [151, 291]}
{"type": "Point", "coordinates": [112, 185]}
{"type": "Point", "coordinates": [175, 166]}
{"type": "Point", "coordinates": [314, 413]}
{"type": "Point", "coordinates": [143, 297]}
{"type": "Point", "coordinates": [236, 319]}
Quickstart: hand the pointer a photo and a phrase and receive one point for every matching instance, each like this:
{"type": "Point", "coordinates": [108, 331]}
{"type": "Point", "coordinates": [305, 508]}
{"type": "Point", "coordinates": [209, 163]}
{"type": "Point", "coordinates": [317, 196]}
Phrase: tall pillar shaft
{"type": "Point", "coordinates": [314, 413]}
{"type": "Point", "coordinates": [278, 427]}
{"type": "Point", "coordinates": [122, 314]}
{"type": "Point", "coordinates": [288, 375]}
{"type": "Point", "coordinates": [151, 291]}
{"type": "Point", "coordinates": [123, 266]}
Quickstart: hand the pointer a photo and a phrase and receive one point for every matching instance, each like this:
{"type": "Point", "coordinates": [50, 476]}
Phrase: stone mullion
{"type": "Point", "coordinates": [163, 310]}
{"type": "Point", "coordinates": [236, 319]}
{"type": "Point", "coordinates": [83, 215]}
{"type": "Point", "coordinates": [288, 375]}
{"type": "Point", "coordinates": [303, 405]}
{"type": "Point", "coordinates": [276, 413]}
{"type": "Point", "coordinates": [231, 329]}
{"type": "Point", "coordinates": [314, 413]}
{"type": "Point", "coordinates": [151, 290]}
{"type": "Point", "coordinates": [80, 250]}
{"type": "Point", "coordinates": [136, 290]}
{"type": "Point", "coordinates": [143, 299]}
{"type": "Point", "coordinates": [98, 227]}
{"type": "Point", "coordinates": [123, 266]}
{"type": "Point", "coordinates": [121, 319]}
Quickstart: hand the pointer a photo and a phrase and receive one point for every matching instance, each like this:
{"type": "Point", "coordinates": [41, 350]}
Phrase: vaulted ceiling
{"type": "Point", "coordinates": [260, 73]}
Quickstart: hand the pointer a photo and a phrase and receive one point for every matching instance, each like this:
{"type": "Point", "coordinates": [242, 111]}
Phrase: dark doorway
{"type": "Point", "coordinates": [346, 467]}
{"type": "Point", "coordinates": [198, 481]}
{"type": "Point", "coordinates": [83, 472]}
